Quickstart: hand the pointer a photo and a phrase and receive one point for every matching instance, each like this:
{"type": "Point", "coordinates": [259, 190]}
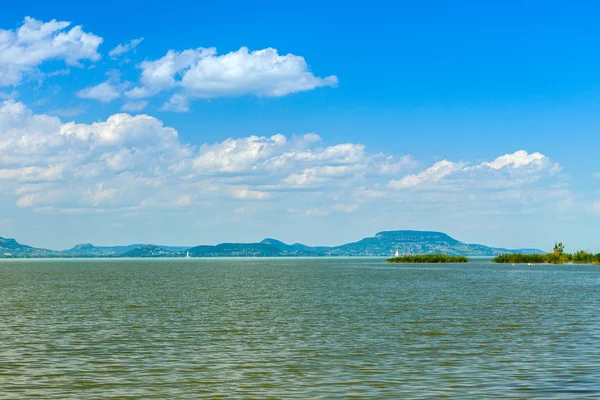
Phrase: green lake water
{"type": "Point", "coordinates": [297, 328]}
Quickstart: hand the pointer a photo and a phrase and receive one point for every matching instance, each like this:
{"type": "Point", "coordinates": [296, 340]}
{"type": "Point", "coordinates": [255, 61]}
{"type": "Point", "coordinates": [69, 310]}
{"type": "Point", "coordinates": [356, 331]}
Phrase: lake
{"type": "Point", "coordinates": [297, 328]}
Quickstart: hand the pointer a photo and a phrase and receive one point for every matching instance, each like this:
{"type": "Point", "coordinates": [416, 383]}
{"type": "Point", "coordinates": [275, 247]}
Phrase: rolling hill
{"type": "Point", "coordinates": [381, 245]}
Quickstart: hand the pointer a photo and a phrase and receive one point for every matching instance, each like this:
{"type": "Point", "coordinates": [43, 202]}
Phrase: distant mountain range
{"type": "Point", "coordinates": [382, 244]}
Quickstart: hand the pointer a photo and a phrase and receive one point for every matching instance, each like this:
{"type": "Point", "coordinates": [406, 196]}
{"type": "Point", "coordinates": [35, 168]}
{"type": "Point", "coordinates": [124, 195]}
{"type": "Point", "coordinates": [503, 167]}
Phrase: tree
{"type": "Point", "coordinates": [559, 249]}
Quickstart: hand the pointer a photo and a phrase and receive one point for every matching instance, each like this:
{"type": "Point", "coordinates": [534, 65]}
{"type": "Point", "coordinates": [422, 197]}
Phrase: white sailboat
{"type": "Point", "coordinates": [187, 255]}
{"type": "Point", "coordinates": [397, 254]}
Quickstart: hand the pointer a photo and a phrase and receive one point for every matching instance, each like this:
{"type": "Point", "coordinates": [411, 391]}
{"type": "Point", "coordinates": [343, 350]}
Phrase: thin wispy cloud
{"type": "Point", "coordinates": [123, 48]}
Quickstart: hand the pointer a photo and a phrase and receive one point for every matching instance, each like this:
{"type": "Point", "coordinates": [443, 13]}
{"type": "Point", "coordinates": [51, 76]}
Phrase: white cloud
{"type": "Point", "coordinates": [237, 155]}
{"type": "Point", "coordinates": [509, 170]}
{"type": "Point", "coordinates": [516, 160]}
{"type": "Point", "coordinates": [134, 164]}
{"type": "Point", "coordinates": [23, 50]}
{"type": "Point", "coordinates": [134, 106]}
{"type": "Point", "coordinates": [33, 174]}
{"type": "Point", "coordinates": [67, 112]}
{"type": "Point", "coordinates": [184, 201]}
{"type": "Point", "coordinates": [59, 72]}
{"type": "Point", "coordinates": [345, 208]}
{"type": "Point", "coordinates": [246, 194]}
{"type": "Point", "coordinates": [104, 92]}
{"type": "Point", "coordinates": [431, 175]}
{"type": "Point", "coordinates": [315, 212]}
{"type": "Point", "coordinates": [99, 194]}
{"type": "Point", "coordinates": [123, 48]}
{"type": "Point", "coordinates": [201, 73]}
{"type": "Point", "coordinates": [7, 96]}
{"type": "Point", "coordinates": [391, 166]}
{"type": "Point", "coordinates": [320, 175]}
{"type": "Point", "coordinates": [28, 200]}
{"type": "Point", "coordinates": [177, 103]}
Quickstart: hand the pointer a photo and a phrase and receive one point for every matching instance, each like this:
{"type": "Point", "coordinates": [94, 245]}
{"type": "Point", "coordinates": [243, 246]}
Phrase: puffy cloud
{"type": "Point", "coordinates": [123, 48]}
{"type": "Point", "coordinates": [104, 92]}
{"type": "Point", "coordinates": [509, 170]}
{"type": "Point", "coordinates": [85, 164]}
{"type": "Point", "coordinates": [516, 160]}
{"type": "Point", "coordinates": [35, 42]}
{"type": "Point", "coordinates": [237, 155]}
{"type": "Point", "coordinates": [133, 163]}
{"type": "Point", "coordinates": [201, 73]}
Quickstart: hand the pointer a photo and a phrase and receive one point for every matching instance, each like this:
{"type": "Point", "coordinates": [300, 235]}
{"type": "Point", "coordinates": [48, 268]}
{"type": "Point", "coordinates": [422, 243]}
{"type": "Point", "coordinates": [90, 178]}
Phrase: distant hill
{"type": "Point", "coordinates": [149, 250]}
{"type": "Point", "coordinates": [382, 244]}
{"type": "Point", "coordinates": [10, 248]}
{"type": "Point", "coordinates": [89, 250]}
{"type": "Point", "coordinates": [415, 242]}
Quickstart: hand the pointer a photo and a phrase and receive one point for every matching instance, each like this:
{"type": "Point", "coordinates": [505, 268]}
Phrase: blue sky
{"type": "Point", "coordinates": [314, 122]}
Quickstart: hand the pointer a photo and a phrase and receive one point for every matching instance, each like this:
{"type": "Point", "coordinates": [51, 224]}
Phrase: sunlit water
{"type": "Point", "coordinates": [304, 328]}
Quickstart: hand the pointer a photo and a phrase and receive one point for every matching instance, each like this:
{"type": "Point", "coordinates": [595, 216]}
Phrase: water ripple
{"type": "Point", "coordinates": [316, 328]}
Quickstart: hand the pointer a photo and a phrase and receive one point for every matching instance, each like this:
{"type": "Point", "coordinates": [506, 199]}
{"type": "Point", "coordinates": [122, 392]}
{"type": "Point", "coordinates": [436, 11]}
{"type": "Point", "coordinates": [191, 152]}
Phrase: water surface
{"type": "Point", "coordinates": [304, 328]}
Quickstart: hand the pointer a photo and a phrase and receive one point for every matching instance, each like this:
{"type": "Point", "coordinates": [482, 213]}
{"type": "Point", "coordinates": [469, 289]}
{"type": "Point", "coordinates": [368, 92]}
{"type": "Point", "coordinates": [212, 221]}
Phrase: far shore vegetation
{"type": "Point", "coordinates": [428, 258]}
{"type": "Point", "coordinates": [558, 256]}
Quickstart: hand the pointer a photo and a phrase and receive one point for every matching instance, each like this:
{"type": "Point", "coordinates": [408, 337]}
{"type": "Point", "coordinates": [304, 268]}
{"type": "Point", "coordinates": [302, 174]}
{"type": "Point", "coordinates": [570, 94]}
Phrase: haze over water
{"type": "Point", "coordinates": [304, 328]}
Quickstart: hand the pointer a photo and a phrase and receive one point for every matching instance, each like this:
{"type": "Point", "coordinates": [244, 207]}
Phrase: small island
{"type": "Point", "coordinates": [428, 258]}
{"type": "Point", "coordinates": [558, 256]}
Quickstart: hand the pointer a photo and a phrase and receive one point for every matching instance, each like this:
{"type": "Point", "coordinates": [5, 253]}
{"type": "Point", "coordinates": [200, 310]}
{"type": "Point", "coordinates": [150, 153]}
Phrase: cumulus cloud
{"type": "Point", "coordinates": [508, 170]}
{"type": "Point", "coordinates": [122, 161]}
{"type": "Point", "coordinates": [237, 155]}
{"type": "Point", "coordinates": [104, 92]}
{"type": "Point", "coordinates": [201, 73]}
{"type": "Point", "coordinates": [123, 48]}
{"type": "Point", "coordinates": [516, 160]}
{"type": "Point", "coordinates": [134, 163]}
{"type": "Point", "coordinates": [35, 42]}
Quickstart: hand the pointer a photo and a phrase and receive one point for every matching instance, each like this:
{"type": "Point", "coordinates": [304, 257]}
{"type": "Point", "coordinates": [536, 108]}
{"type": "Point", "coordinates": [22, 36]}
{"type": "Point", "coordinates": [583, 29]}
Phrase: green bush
{"type": "Point", "coordinates": [428, 258]}
{"type": "Point", "coordinates": [558, 256]}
